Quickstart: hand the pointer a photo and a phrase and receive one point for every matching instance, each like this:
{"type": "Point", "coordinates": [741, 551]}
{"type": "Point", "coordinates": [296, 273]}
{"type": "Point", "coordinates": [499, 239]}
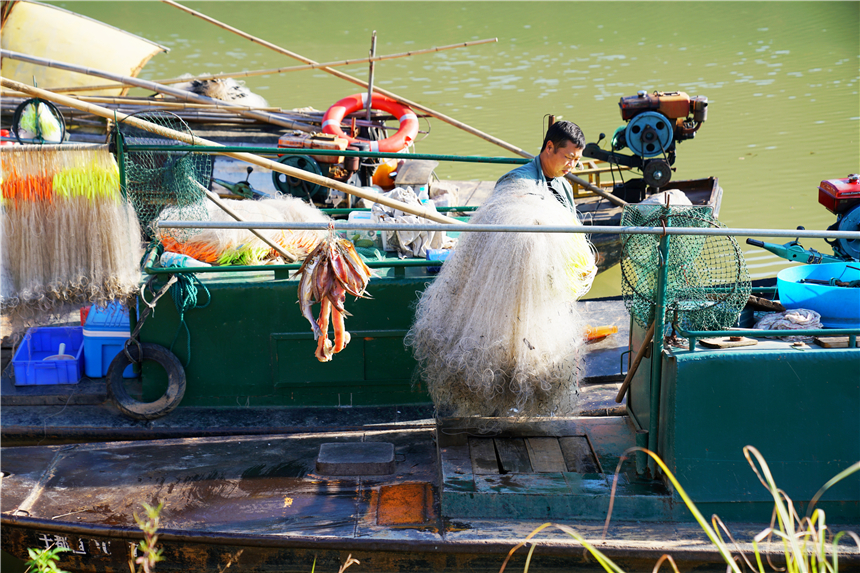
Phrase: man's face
{"type": "Point", "coordinates": [557, 161]}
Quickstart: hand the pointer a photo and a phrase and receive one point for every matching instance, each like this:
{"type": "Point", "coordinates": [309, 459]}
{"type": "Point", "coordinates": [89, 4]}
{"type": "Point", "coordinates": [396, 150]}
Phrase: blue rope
{"type": "Point", "coordinates": [184, 293]}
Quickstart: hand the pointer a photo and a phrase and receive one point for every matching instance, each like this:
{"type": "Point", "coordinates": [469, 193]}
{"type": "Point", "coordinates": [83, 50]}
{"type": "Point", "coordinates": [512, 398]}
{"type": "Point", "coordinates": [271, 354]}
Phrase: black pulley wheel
{"type": "Point", "coordinates": [657, 173]}
{"type": "Point", "coordinates": [19, 111]}
{"type": "Point", "coordinates": [146, 410]}
{"type": "Point", "coordinates": [295, 186]}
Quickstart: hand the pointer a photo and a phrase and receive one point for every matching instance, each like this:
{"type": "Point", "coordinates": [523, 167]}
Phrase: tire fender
{"type": "Point", "coordinates": [146, 410]}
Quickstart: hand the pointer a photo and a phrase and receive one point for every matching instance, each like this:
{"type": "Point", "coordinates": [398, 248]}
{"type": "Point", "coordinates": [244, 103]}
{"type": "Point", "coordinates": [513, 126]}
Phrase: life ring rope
{"type": "Point", "coordinates": [404, 137]}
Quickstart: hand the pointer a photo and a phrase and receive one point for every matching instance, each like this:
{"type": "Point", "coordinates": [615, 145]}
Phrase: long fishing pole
{"type": "Point", "coordinates": [250, 73]}
{"type": "Point", "coordinates": [414, 105]}
{"type": "Point", "coordinates": [181, 94]}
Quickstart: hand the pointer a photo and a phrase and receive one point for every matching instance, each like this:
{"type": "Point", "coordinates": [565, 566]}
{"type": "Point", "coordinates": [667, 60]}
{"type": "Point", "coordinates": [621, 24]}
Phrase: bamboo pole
{"type": "Point", "coordinates": [634, 366]}
{"type": "Point", "coordinates": [250, 73]}
{"type": "Point", "coordinates": [449, 120]}
{"type": "Point", "coordinates": [181, 94]}
{"type": "Point", "coordinates": [247, 157]}
{"type": "Point", "coordinates": [120, 100]}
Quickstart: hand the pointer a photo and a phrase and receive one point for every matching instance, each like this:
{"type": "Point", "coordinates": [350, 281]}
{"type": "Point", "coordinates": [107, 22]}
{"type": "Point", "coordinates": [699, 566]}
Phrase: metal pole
{"type": "Point", "coordinates": [657, 350]}
{"type": "Point", "coordinates": [338, 152]}
{"type": "Point", "coordinates": [120, 159]}
{"type": "Point", "coordinates": [473, 228]}
{"type": "Point", "coordinates": [370, 76]}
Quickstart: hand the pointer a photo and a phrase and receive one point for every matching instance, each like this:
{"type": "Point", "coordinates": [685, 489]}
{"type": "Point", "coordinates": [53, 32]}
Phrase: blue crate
{"type": "Point", "coordinates": [105, 333]}
{"type": "Point", "coordinates": [437, 255]}
{"type": "Point", "coordinates": [29, 362]}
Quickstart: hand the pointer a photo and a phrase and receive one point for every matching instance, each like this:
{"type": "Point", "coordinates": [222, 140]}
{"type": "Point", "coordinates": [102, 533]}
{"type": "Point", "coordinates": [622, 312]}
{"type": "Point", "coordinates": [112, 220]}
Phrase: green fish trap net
{"type": "Point", "coordinates": [159, 179]}
{"type": "Point", "coordinates": [708, 284]}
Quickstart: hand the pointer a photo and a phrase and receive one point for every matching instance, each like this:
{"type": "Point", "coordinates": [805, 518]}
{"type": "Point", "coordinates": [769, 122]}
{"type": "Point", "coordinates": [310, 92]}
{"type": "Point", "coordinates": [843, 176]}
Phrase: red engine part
{"type": "Point", "coordinates": [674, 105]}
{"type": "Point", "coordinates": [315, 141]}
{"type": "Point", "coordinates": [839, 195]}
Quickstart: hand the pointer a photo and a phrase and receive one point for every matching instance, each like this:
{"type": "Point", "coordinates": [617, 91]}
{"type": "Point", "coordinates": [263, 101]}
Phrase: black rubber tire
{"type": "Point", "coordinates": [147, 410]}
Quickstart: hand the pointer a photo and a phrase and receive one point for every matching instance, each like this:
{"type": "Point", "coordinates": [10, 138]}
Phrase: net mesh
{"type": "Point", "coordinates": [69, 237]}
{"type": "Point", "coordinates": [497, 333]}
{"type": "Point", "coordinates": [707, 285]}
{"type": "Point", "coordinates": [159, 179]}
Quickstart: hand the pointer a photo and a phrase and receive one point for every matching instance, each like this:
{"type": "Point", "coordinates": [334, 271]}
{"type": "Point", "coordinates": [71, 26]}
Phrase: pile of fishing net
{"type": "Point", "coordinates": [69, 237]}
{"type": "Point", "coordinates": [497, 333]}
{"type": "Point", "coordinates": [240, 246]}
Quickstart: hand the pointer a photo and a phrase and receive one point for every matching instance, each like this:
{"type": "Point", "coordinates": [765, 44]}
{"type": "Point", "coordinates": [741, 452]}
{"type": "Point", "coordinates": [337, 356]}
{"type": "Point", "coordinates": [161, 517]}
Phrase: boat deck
{"type": "Point", "coordinates": [82, 412]}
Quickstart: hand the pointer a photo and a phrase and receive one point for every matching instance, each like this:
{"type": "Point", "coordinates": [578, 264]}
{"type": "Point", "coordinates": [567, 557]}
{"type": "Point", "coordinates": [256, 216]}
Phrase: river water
{"type": "Point", "coordinates": [781, 79]}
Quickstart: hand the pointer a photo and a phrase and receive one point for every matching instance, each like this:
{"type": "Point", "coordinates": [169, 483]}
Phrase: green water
{"type": "Point", "coordinates": [781, 79]}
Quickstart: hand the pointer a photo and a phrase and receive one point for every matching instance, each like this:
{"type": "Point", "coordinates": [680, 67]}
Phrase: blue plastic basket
{"type": "Point", "coordinates": [29, 362]}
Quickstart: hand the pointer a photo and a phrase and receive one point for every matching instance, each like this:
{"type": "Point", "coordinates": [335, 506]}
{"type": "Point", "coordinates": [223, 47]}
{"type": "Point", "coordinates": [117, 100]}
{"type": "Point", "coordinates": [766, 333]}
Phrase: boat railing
{"type": "Point", "coordinates": [591, 173]}
{"type": "Point", "coordinates": [664, 233]}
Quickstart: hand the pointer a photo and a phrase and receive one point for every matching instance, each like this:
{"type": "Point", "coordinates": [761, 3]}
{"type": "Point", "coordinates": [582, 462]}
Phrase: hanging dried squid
{"type": "Point", "coordinates": [333, 270]}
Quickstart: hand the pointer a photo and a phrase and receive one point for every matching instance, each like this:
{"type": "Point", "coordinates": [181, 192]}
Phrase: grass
{"type": "Point", "coordinates": [45, 560]}
{"type": "Point", "coordinates": [804, 539]}
{"type": "Point", "coordinates": [149, 553]}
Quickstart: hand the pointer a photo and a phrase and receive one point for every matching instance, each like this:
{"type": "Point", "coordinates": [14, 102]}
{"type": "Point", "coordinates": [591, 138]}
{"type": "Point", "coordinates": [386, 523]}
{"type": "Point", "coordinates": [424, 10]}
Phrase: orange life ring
{"type": "Point", "coordinates": [397, 142]}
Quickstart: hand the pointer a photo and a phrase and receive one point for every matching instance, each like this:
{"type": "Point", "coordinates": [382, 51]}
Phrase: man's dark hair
{"type": "Point", "coordinates": [562, 131]}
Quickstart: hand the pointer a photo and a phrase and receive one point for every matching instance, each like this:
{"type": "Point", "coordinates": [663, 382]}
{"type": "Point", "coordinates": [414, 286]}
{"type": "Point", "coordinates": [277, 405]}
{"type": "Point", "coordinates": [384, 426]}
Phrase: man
{"type": "Point", "coordinates": [561, 151]}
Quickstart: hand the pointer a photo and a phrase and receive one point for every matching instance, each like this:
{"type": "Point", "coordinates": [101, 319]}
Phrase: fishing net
{"type": "Point", "coordinates": [708, 284]}
{"type": "Point", "coordinates": [240, 246]}
{"type": "Point", "coordinates": [158, 179]}
{"type": "Point", "coordinates": [69, 237]}
{"type": "Point", "coordinates": [497, 333]}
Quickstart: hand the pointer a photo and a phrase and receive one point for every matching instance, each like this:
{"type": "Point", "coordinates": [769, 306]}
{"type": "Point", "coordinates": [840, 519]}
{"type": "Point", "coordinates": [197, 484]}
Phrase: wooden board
{"type": "Point", "coordinates": [831, 341]}
{"type": "Point", "coordinates": [545, 455]}
{"type": "Point", "coordinates": [483, 454]}
{"type": "Point", "coordinates": [726, 342]}
{"type": "Point", "coordinates": [513, 455]}
{"type": "Point", "coordinates": [578, 455]}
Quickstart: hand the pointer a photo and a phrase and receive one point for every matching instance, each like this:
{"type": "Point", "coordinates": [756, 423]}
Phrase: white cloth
{"type": "Point", "coordinates": [406, 243]}
{"type": "Point", "coordinates": [793, 319]}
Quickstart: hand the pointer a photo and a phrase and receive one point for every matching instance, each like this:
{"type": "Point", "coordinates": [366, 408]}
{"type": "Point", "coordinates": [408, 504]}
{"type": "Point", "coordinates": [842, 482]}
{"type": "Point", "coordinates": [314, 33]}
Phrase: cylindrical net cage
{"type": "Point", "coordinates": [707, 285]}
{"type": "Point", "coordinates": [158, 179]}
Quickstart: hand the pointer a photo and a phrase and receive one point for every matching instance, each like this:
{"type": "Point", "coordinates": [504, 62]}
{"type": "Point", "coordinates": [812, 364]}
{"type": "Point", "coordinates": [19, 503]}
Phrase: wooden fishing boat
{"type": "Point", "coordinates": [450, 495]}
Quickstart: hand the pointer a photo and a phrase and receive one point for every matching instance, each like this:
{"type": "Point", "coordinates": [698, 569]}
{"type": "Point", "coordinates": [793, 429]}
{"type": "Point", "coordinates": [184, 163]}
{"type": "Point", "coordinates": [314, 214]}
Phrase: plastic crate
{"type": "Point", "coordinates": [105, 333]}
{"type": "Point", "coordinates": [436, 255]}
{"type": "Point", "coordinates": [29, 362]}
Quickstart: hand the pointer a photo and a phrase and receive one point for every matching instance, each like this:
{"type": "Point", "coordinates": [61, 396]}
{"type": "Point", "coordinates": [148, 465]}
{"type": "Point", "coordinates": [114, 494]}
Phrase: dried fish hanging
{"type": "Point", "coordinates": [240, 246]}
{"type": "Point", "coordinates": [69, 237]}
{"type": "Point", "coordinates": [497, 333]}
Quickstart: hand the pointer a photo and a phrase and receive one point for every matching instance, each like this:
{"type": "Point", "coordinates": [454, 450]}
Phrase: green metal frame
{"type": "Point", "coordinates": [330, 152]}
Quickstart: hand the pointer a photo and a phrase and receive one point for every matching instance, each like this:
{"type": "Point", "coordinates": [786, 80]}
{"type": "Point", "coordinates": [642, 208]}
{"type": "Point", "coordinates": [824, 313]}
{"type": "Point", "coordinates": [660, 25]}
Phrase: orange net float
{"type": "Point", "coordinates": [397, 142]}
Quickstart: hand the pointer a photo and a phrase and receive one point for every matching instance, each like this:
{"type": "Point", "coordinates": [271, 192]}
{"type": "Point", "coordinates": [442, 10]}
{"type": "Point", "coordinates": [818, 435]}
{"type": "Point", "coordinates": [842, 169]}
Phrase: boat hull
{"type": "Point", "coordinates": [261, 504]}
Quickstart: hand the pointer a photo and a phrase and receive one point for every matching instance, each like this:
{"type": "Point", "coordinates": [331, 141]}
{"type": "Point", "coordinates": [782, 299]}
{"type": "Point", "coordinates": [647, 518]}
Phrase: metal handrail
{"type": "Point", "coordinates": [330, 152]}
{"type": "Point", "coordinates": [475, 228]}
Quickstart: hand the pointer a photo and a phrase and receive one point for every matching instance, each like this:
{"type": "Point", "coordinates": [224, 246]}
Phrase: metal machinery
{"type": "Point", "coordinates": [842, 198]}
{"type": "Point", "coordinates": [655, 122]}
{"type": "Point", "coordinates": [357, 171]}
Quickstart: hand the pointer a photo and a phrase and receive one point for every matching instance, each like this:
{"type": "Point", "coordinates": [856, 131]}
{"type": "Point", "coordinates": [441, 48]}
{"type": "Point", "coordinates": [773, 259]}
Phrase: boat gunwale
{"type": "Point", "coordinates": [618, 548]}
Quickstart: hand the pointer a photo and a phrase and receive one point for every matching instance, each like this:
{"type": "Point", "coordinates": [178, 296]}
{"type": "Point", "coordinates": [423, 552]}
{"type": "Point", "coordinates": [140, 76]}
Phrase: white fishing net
{"type": "Point", "coordinates": [241, 246]}
{"type": "Point", "coordinates": [69, 237]}
{"type": "Point", "coordinates": [497, 333]}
